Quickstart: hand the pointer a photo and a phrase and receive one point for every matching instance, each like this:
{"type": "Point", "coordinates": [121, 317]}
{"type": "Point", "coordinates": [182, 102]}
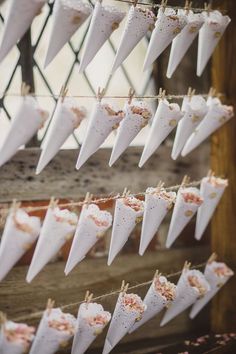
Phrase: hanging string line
{"type": "Point", "coordinates": [154, 5]}
{"type": "Point", "coordinates": [101, 297]}
{"type": "Point", "coordinates": [151, 97]}
{"type": "Point", "coordinates": [99, 200]}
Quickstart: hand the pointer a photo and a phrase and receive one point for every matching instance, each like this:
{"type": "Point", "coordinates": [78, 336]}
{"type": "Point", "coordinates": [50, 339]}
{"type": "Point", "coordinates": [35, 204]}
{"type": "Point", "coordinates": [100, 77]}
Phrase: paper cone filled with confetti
{"type": "Point", "coordinates": [66, 118]}
{"type": "Point", "coordinates": [195, 109]}
{"type": "Point", "coordinates": [128, 212]}
{"type": "Point", "coordinates": [91, 321]}
{"type": "Point", "coordinates": [160, 295]}
{"type": "Point", "coordinates": [167, 26]}
{"type": "Point", "coordinates": [105, 20]}
{"type": "Point", "coordinates": [187, 202]}
{"type": "Point", "coordinates": [157, 204]}
{"type": "Point", "coordinates": [20, 15]}
{"type": "Point", "coordinates": [209, 35]}
{"type": "Point", "coordinates": [27, 121]}
{"type": "Point", "coordinates": [211, 190]}
{"type": "Point", "coordinates": [217, 115]}
{"type": "Point", "coordinates": [129, 309]}
{"type": "Point", "coordinates": [137, 116]}
{"type": "Point", "coordinates": [92, 226]}
{"type": "Point", "coordinates": [217, 274]}
{"type": "Point", "coordinates": [139, 22]}
{"type": "Point", "coordinates": [55, 331]}
{"type": "Point", "coordinates": [19, 234]}
{"type": "Point", "coordinates": [103, 120]}
{"type": "Point", "coordinates": [183, 40]}
{"type": "Point", "coordinates": [191, 286]}
{"type": "Point", "coordinates": [67, 17]}
{"type": "Point", "coordinates": [58, 227]}
{"type": "Point", "coordinates": [165, 120]}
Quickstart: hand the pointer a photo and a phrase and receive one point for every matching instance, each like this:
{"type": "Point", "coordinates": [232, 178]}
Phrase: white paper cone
{"type": "Point", "coordinates": [182, 214]}
{"type": "Point", "coordinates": [167, 26]}
{"type": "Point", "coordinates": [139, 21]}
{"type": "Point", "coordinates": [209, 36]}
{"type": "Point", "coordinates": [19, 235]}
{"type": "Point", "coordinates": [16, 345]}
{"type": "Point", "coordinates": [19, 17]}
{"type": "Point", "coordinates": [211, 191]}
{"type": "Point", "coordinates": [28, 120]}
{"type": "Point", "coordinates": [216, 281]}
{"type": "Point", "coordinates": [137, 116]}
{"type": "Point", "coordinates": [68, 16]}
{"type": "Point", "coordinates": [67, 117]}
{"type": "Point", "coordinates": [156, 206]}
{"type": "Point", "coordinates": [92, 225]}
{"type": "Point", "coordinates": [92, 319]}
{"type": "Point", "coordinates": [186, 294]}
{"type": "Point", "coordinates": [183, 40]}
{"type": "Point", "coordinates": [194, 112]}
{"type": "Point", "coordinates": [122, 320]}
{"type": "Point", "coordinates": [217, 115]}
{"type": "Point", "coordinates": [48, 339]}
{"type": "Point", "coordinates": [154, 301]}
{"type": "Point", "coordinates": [165, 120]}
{"type": "Point", "coordinates": [105, 20]}
{"type": "Point", "coordinates": [58, 227]}
{"type": "Point", "coordinates": [125, 220]}
{"type": "Point", "coordinates": [103, 120]}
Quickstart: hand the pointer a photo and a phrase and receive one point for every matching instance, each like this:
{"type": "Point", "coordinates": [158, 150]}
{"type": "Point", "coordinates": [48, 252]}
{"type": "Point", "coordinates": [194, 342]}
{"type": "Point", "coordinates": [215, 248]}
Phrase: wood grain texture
{"type": "Point", "coordinates": [223, 162]}
{"type": "Point", "coordinates": [96, 276]}
{"type": "Point", "coordinates": [18, 179]}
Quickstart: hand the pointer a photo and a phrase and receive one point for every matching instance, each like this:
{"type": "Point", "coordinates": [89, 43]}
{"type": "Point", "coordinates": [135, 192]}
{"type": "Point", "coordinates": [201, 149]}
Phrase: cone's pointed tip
{"type": "Point", "coordinates": [169, 74]}
{"type": "Point", "coordinates": [168, 244]}
{"type": "Point", "coordinates": [174, 156]}
{"type": "Point", "coordinates": [192, 315]}
{"type": "Point", "coordinates": [163, 323]}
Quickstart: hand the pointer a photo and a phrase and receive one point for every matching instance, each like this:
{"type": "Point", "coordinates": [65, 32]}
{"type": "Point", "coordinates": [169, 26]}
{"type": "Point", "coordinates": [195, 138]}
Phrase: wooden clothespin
{"type": "Point", "coordinates": [53, 202]}
{"type": "Point", "coordinates": [187, 6]}
{"type": "Point", "coordinates": [25, 89]}
{"type": "Point", "coordinates": [163, 5]}
{"type": "Point", "coordinates": [157, 274]}
{"type": "Point", "coordinates": [88, 297]}
{"type": "Point", "coordinates": [63, 93]}
{"type": "Point", "coordinates": [131, 95]}
{"type": "Point", "coordinates": [125, 193]}
{"type": "Point", "coordinates": [185, 181]}
{"type": "Point", "coordinates": [15, 205]}
{"type": "Point", "coordinates": [88, 199]}
{"type": "Point", "coordinates": [212, 92]}
{"type": "Point", "coordinates": [212, 258]}
{"type": "Point", "coordinates": [100, 94]}
{"type": "Point", "coordinates": [3, 319]}
{"type": "Point", "coordinates": [210, 174]}
{"type": "Point", "coordinates": [162, 94]}
{"type": "Point", "coordinates": [187, 265]}
{"type": "Point", "coordinates": [124, 287]}
{"type": "Point", "coordinates": [50, 305]}
{"type": "Point", "coordinates": [159, 186]}
{"type": "Point", "coordinates": [135, 3]}
{"type": "Point", "coordinates": [190, 93]}
{"type": "Point", "coordinates": [207, 7]}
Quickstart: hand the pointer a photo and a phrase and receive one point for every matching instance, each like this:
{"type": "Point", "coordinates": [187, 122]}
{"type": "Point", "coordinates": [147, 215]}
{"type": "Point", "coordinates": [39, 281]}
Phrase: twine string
{"type": "Point", "coordinates": [138, 97]}
{"type": "Point", "coordinates": [38, 314]}
{"type": "Point", "coordinates": [98, 200]}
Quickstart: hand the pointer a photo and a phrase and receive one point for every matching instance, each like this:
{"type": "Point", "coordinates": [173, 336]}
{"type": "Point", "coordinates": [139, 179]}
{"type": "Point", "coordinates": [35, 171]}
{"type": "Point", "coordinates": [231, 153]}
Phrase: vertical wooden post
{"type": "Point", "coordinates": [223, 162]}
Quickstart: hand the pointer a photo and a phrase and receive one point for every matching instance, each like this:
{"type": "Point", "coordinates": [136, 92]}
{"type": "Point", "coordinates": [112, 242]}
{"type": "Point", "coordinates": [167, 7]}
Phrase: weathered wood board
{"type": "Point", "coordinates": [60, 179]}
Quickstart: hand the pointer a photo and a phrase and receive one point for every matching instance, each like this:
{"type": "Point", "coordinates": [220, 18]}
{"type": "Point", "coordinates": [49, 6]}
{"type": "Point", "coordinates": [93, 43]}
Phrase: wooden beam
{"type": "Point", "coordinates": [223, 162]}
{"type": "Point", "coordinates": [18, 179]}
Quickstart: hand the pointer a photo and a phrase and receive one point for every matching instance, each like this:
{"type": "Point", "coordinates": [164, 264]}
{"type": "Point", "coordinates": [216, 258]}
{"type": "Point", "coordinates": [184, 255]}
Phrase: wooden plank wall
{"type": "Point", "coordinates": [17, 179]}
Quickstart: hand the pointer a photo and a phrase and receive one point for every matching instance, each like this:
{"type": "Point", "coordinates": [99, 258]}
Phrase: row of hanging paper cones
{"type": "Point", "coordinates": [196, 120]}
{"type": "Point", "coordinates": [181, 27]}
{"type": "Point", "coordinates": [194, 289]}
{"type": "Point", "coordinates": [21, 230]}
